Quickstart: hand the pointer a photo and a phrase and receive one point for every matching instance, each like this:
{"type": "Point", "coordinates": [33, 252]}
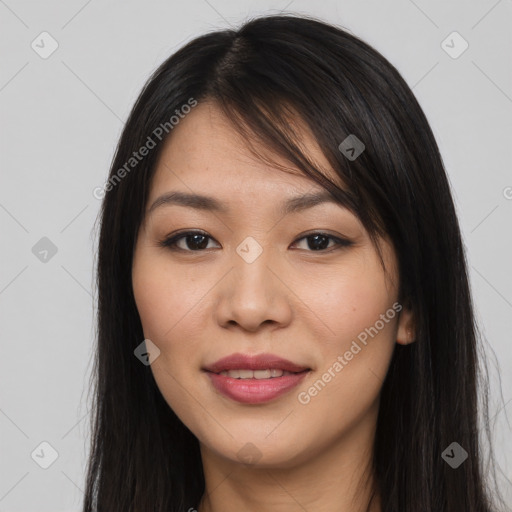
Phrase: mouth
{"type": "Point", "coordinates": [255, 379]}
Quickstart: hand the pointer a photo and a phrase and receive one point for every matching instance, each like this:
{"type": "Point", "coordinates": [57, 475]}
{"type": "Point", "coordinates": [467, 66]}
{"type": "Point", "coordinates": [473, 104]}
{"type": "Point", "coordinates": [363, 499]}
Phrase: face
{"type": "Point", "coordinates": [301, 287]}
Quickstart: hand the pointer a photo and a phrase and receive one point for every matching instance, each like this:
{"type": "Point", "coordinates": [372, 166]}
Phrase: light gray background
{"type": "Point", "coordinates": [61, 118]}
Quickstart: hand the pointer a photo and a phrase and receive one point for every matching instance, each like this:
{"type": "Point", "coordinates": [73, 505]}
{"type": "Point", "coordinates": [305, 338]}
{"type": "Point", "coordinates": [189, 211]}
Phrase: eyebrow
{"type": "Point", "coordinates": [208, 203]}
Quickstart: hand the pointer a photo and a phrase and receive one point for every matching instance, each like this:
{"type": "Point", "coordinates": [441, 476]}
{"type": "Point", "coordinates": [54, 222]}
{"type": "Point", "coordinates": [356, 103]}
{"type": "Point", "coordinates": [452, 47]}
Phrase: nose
{"type": "Point", "coordinates": [254, 295]}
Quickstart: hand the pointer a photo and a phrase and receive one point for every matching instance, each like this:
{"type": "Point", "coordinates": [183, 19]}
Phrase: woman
{"type": "Point", "coordinates": [285, 321]}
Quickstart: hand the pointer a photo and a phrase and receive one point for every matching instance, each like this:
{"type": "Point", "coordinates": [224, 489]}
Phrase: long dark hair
{"type": "Point", "coordinates": [142, 456]}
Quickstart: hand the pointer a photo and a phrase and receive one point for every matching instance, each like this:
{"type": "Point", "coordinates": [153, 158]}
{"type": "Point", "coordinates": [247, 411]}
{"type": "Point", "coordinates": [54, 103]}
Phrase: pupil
{"type": "Point", "coordinates": [196, 244]}
{"type": "Point", "coordinates": [316, 244]}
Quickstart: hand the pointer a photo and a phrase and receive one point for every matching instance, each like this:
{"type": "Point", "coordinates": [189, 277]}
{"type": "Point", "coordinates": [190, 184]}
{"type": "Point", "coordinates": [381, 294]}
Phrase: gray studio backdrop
{"type": "Point", "coordinates": [69, 74]}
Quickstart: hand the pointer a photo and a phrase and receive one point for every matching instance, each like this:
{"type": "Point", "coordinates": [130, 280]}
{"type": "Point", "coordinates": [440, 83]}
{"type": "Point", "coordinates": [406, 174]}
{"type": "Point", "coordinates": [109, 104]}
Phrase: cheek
{"type": "Point", "coordinates": [345, 307]}
{"type": "Point", "coordinates": [165, 297]}
{"type": "Point", "coordinates": [166, 300]}
{"type": "Point", "coordinates": [358, 315]}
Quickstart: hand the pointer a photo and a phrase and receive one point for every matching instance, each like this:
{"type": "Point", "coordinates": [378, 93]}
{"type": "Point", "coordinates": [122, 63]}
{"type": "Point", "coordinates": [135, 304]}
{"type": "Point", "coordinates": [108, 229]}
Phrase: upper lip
{"type": "Point", "coordinates": [255, 362]}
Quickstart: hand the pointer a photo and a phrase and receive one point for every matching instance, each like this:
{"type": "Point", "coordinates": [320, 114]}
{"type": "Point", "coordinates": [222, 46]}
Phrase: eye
{"type": "Point", "coordinates": [319, 242]}
{"type": "Point", "coordinates": [197, 241]}
{"type": "Point", "coordinates": [193, 241]}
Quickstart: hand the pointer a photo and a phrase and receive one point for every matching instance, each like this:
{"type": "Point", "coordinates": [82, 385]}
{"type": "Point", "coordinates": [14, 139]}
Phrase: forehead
{"type": "Point", "coordinates": [204, 151]}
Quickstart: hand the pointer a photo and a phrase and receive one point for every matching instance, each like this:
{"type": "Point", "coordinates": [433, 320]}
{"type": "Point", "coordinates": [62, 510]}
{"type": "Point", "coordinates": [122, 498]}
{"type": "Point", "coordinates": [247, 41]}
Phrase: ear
{"type": "Point", "coordinates": [406, 330]}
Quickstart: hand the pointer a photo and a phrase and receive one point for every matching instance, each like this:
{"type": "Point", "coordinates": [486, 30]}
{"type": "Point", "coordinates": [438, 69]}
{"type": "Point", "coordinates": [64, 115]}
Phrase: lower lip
{"type": "Point", "coordinates": [255, 391]}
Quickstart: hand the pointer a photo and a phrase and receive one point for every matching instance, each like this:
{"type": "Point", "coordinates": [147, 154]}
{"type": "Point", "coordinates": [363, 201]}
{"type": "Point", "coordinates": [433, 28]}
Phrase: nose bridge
{"type": "Point", "coordinates": [251, 273]}
{"type": "Point", "coordinates": [253, 294]}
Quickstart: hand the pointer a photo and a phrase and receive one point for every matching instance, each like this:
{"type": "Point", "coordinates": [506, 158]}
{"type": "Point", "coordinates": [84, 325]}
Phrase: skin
{"type": "Point", "coordinates": [302, 304]}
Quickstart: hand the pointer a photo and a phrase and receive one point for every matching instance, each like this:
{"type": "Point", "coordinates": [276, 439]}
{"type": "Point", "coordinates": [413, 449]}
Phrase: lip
{"type": "Point", "coordinates": [255, 391]}
{"type": "Point", "coordinates": [258, 362]}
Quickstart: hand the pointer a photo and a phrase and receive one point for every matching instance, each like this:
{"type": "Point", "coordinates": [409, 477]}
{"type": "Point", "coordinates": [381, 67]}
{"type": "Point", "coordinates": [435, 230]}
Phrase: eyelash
{"type": "Point", "coordinates": [170, 242]}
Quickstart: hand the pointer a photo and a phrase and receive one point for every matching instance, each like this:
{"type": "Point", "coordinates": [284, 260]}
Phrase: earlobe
{"type": "Point", "coordinates": [406, 331]}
